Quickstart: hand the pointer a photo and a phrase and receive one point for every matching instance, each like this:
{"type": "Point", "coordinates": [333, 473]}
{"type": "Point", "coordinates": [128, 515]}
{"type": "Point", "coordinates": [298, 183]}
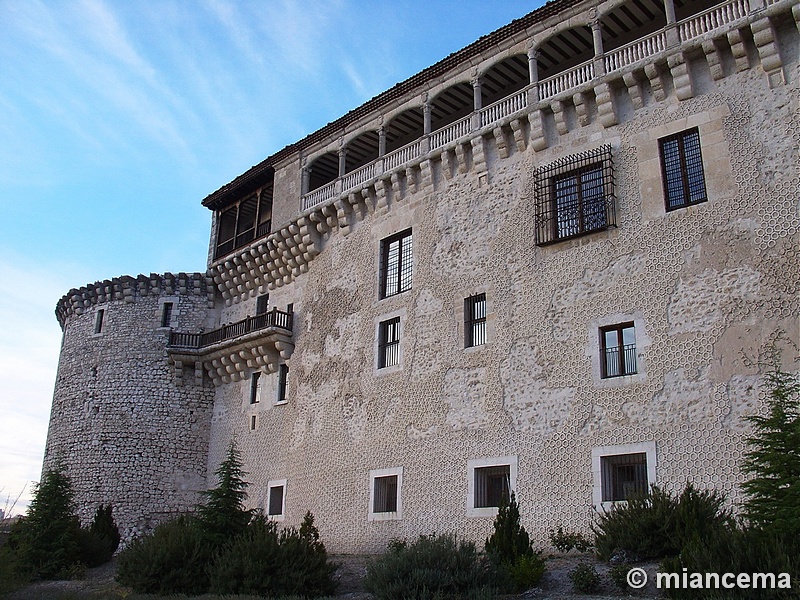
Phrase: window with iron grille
{"type": "Point", "coordinates": [682, 169]}
{"type": "Point", "coordinates": [475, 320]}
{"type": "Point", "coordinates": [623, 476]}
{"type": "Point", "coordinates": [384, 494]}
{"type": "Point", "coordinates": [283, 380]}
{"type": "Point", "coordinates": [575, 196]}
{"type": "Point", "coordinates": [396, 264]}
{"type": "Point", "coordinates": [618, 350]}
{"type": "Point", "coordinates": [275, 499]}
{"type": "Point", "coordinates": [491, 485]}
{"type": "Point", "coordinates": [254, 379]}
{"type": "Point", "coordinates": [389, 343]}
{"type": "Point", "coordinates": [166, 314]}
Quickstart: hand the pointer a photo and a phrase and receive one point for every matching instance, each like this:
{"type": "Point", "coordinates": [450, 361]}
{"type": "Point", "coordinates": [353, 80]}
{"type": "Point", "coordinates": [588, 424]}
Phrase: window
{"type": "Point", "coordinates": [283, 380]}
{"type": "Point", "coordinates": [385, 494]}
{"type": "Point", "coordinates": [98, 321]}
{"type": "Point", "coordinates": [618, 350]}
{"type": "Point", "coordinates": [575, 196]}
{"type": "Point", "coordinates": [275, 499]}
{"type": "Point", "coordinates": [475, 321]}
{"type": "Point", "coordinates": [166, 314]}
{"type": "Point", "coordinates": [682, 169]}
{"type": "Point", "coordinates": [488, 481]}
{"type": "Point", "coordinates": [253, 422]}
{"type": "Point", "coordinates": [389, 343]}
{"type": "Point", "coordinates": [623, 476]}
{"type": "Point", "coordinates": [396, 261]}
{"type": "Point", "coordinates": [262, 304]}
{"type": "Point", "coordinates": [254, 378]}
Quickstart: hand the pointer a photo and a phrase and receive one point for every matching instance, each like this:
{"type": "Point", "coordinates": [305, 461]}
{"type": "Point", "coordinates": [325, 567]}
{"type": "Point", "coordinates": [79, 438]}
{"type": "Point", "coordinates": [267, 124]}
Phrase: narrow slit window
{"type": "Point", "coordinates": [283, 380]}
{"type": "Point", "coordinates": [275, 502]}
{"type": "Point", "coordinates": [254, 387]}
{"type": "Point", "coordinates": [389, 343]}
{"type": "Point", "coordinates": [98, 321]}
{"type": "Point", "coordinates": [166, 314]}
{"type": "Point", "coordinates": [475, 321]}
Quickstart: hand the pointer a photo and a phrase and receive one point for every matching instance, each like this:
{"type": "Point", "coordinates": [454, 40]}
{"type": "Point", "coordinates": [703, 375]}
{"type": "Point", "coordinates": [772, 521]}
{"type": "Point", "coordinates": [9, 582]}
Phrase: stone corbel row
{"type": "Point", "coordinates": [127, 288]}
{"type": "Point", "coordinates": [235, 363]}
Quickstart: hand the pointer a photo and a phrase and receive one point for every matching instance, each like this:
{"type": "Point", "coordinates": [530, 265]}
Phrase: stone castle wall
{"type": "Point", "coordinates": [128, 432]}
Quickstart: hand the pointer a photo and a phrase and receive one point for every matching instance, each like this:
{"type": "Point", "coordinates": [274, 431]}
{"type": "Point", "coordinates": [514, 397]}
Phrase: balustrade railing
{"type": "Point", "coordinates": [359, 176]}
{"type": "Point", "coordinates": [712, 18]}
{"type": "Point", "coordinates": [273, 318]}
{"type": "Point", "coordinates": [451, 133]}
{"type": "Point", "coordinates": [319, 195]}
{"type": "Point", "coordinates": [503, 108]}
{"type": "Point", "coordinates": [567, 80]}
{"type": "Point", "coordinates": [635, 51]}
{"type": "Point", "coordinates": [401, 156]}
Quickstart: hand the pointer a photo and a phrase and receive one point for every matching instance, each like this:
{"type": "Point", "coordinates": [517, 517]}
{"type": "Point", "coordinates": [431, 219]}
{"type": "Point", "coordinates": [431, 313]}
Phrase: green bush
{"type": "Point", "coordinates": [526, 571]}
{"type": "Point", "coordinates": [619, 575]}
{"type": "Point", "coordinates": [565, 542]}
{"type": "Point", "coordinates": [431, 567]}
{"type": "Point", "coordinates": [98, 543]}
{"type": "Point", "coordinates": [173, 559]}
{"type": "Point", "coordinates": [658, 525]}
{"type": "Point", "coordinates": [585, 579]}
{"type": "Point", "coordinates": [265, 562]}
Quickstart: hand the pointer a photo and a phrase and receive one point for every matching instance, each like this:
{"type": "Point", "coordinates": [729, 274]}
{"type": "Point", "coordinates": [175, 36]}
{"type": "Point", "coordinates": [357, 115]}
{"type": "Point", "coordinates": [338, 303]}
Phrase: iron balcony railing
{"type": "Point", "coordinates": [620, 361]}
{"type": "Point", "coordinates": [274, 318]}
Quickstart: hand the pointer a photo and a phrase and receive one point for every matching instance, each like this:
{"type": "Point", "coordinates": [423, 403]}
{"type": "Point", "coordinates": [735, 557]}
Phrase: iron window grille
{"type": "Point", "coordinates": [618, 350]}
{"type": "Point", "coordinates": [275, 503]}
{"type": "Point", "coordinates": [492, 484]}
{"type": "Point", "coordinates": [575, 196]}
{"type": "Point", "coordinates": [254, 378]}
{"type": "Point", "coordinates": [389, 343]}
{"type": "Point", "coordinates": [396, 264]}
{"type": "Point", "coordinates": [166, 314]}
{"type": "Point", "coordinates": [385, 494]}
{"type": "Point", "coordinates": [283, 380]}
{"type": "Point", "coordinates": [623, 476]}
{"type": "Point", "coordinates": [682, 169]}
{"type": "Point", "coordinates": [475, 320]}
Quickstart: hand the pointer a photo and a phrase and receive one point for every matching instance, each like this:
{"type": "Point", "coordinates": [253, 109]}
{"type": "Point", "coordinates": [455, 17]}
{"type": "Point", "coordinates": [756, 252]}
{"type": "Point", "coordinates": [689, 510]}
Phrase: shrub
{"type": "Point", "coordinates": [619, 575]}
{"type": "Point", "coordinates": [565, 542]}
{"type": "Point", "coordinates": [585, 579]}
{"type": "Point", "coordinates": [264, 562]}
{"type": "Point", "coordinates": [99, 542]}
{"type": "Point", "coordinates": [658, 525]}
{"type": "Point", "coordinates": [171, 560]}
{"type": "Point", "coordinates": [518, 567]}
{"type": "Point", "coordinates": [431, 567]}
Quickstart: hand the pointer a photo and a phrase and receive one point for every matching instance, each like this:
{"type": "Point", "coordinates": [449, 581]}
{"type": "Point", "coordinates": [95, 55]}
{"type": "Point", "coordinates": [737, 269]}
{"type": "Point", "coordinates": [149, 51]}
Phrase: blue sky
{"type": "Point", "coordinates": [118, 118]}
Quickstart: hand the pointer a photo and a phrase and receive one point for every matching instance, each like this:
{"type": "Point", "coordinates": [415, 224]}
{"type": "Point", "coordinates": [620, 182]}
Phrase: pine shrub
{"type": "Point", "coordinates": [585, 579]}
{"type": "Point", "coordinates": [172, 560]}
{"type": "Point", "coordinates": [431, 567]}
{"type": "Point", "coordinates": [99, 542]}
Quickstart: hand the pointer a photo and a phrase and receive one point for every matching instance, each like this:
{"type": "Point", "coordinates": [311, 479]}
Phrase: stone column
{"type": "Point", "coordinates": [597, 40]}
{"type": "Point", "coordinates": [381, 141]}
{"type": "Point", "coordinates": [477, 102]}
{"type": "Point", "coordinates": [672, 30]}
{"type": "Point", "coordinates": [427, 107]}
{"type": "Point", "coordinates": [342, 160]}
{"type": "Point", "coordinates": [306, 181]}
{"type": "Point", "coordinates": [533, 71]}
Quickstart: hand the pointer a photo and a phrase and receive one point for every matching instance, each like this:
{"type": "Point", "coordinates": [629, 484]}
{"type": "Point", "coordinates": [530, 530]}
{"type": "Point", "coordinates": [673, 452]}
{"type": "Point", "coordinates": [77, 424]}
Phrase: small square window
{"type": "Point", "coordinates": [384, 497]}
{"type": "Point", "coordinates": [475, 321]}
{"type": "Point", "coordinates": [275, 499]}
{"type": "Point", "coordinates": [166, 314]}
{"type": "Point", "coordinates": [623, 476]}
{"type": "Point", "coordinates": [254, 387]}
{"type": "Point", "coordinates": [283, 381]}
{"type": "Point", "coordinates": [389, 343]}
{"type": "Point", "coordinates": [682, 169]}
{"type": "Point", "coordinates": [491, 485]}
{"type": "Point", "coordinates": [385, 494]}
{"type": "Point", "coordinates": [98, 321]}
{"type": "Point", "coordinates": [618, 350]}
{"type": "Point", "coordinates": [396, 264]}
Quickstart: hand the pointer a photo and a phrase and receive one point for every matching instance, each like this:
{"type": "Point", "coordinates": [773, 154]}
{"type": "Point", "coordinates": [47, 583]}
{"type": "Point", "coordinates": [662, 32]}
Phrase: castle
{"type": "Point", "coordinates": [539, 265]}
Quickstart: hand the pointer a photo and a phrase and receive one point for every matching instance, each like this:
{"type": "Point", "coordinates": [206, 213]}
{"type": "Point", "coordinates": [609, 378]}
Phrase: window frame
{"type": "Point", "coordinates": [99, 321]}
{"type": "Point", "coordinates": [283, 384]}
{"type": "Point", "coordinates": [255, 378]}
{"type": "Point", "coordinates": [473, 321]}
{"type": "Point", "coordinates": [374, 476]}
{"type": "Point", "coordinates": [682, 171]}
{"type": "Point", "coordinates": [602, 453]}
{"type": "Point", "coordinates": [401, 277]}
{"type": "Point", "coordinates": [622, 360]}
{"type": "Point", "coordinates": [551, 211]}
{"type": "Point", "coordinates": [275, 484]}
{"type": "Point", "coordinates": [474, 468]}
{"type": "Point", "coordinates": [388, 346]}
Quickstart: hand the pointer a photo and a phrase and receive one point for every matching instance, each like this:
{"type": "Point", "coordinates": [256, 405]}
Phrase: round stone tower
{"type": "Point", "coordinates": [130, 430]}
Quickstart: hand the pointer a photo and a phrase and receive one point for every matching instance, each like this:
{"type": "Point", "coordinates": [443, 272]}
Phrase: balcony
{"type": "Point", "coordinates": [231, 352]}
